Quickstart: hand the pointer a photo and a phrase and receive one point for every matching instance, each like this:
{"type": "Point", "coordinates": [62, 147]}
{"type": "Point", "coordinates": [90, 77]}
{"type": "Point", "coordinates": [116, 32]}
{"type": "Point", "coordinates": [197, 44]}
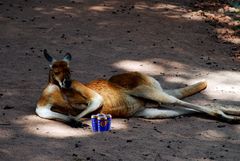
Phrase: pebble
{"type": "Point", "coordinates": [8, 107]}
{"type": "Point", "coordinates": [129, 141]}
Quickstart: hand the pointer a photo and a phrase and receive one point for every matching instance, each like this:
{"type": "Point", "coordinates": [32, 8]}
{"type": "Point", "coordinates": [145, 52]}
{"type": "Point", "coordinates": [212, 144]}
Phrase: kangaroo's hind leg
{"type": "Point", "coordinates": [178, 93]}
{"type": "Point", "coordinates": [154, 92]}
{"type": "Point", "coordinates": [195, 88]}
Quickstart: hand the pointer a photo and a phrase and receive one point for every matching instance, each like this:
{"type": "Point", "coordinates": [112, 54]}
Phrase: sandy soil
{"type": "Point", "coordinates": [170, 40]}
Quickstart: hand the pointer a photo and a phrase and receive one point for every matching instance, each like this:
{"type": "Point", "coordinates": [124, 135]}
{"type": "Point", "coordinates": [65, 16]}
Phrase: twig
{"type": "Point", "coordinates": [5, 124]}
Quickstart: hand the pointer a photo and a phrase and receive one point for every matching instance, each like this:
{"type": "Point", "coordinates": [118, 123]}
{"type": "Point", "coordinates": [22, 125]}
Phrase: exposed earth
{"type": "Point", "coordinates": [178, 42]}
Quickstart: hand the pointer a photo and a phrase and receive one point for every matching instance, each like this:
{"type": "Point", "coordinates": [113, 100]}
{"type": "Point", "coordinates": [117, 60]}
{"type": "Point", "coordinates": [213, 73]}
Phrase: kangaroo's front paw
{"type": "Point", "coordinates": [75, 124]}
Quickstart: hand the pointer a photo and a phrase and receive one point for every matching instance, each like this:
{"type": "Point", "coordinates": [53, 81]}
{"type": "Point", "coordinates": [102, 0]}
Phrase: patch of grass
{"type": "Point", "coordinates": [236, 27]}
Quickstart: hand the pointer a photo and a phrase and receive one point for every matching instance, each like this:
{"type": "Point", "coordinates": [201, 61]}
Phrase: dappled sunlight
{"type": "Point", "coordinates": [227, 35]}
{"type": "Point", "coordinates": [141, 5]}
{"type": "Point", "coordinates": [155, 66]}
{"type": "Point", "coordinates": [157, 7]}
{"type": "Point", "coordinates": [53, 129]}
{"type": "Point", "coordinates": [100, 8]}
{"type": "Point", "coordinates": [141, 66]}
{"type": "Point", "coordinates": [39, 8]}
{"type": "Point", "coordinates": [212, 135]}
{"type": "Point", "coordinates": [224, 85]}
{"type": "Point", "coordinates": [58, 131]}
{"type": "Point", "coordinates": [173, 71]}
{"type": "Point", "coordinates": [119, 124]}
{"type": "Point", "coordinates": [224, 24]}
{"type": "Point", "coordinates": [67, 10]}
{"type": "Point", "coordinates": [170, 11]}
{"type": "Point", "coordinates": [192, 16]}
{"type": "Point", "coordinates": [166, 6]}
{"type": "Point", "coordinates": [49, 128]}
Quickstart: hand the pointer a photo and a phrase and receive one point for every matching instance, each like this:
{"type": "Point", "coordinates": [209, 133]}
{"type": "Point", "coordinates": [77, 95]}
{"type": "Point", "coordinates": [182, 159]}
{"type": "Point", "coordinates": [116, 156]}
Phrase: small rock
{"type": "Point", "coordinates": [75, 155]}
{"type": "Point", "coordinates": [8, 107]}
{"type": "Point", "coordinates": [63, 36]}
{"type": "Point", "coordinates": [129, 141]}
{"type": "Point", "coordinates": [221, 126]}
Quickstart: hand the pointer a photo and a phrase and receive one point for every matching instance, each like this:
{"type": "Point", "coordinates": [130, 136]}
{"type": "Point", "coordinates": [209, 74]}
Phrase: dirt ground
{"type": "Point", "coordinates": [175, 41]}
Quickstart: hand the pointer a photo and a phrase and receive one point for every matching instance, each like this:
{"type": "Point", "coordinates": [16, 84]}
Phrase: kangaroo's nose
{"type": "Point", "coordinates": [67, 83]}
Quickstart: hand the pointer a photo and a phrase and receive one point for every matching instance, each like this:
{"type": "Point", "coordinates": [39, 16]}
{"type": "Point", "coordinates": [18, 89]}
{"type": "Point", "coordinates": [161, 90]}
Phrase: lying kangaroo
{"type": "Point", "coordinates": [123, 95]}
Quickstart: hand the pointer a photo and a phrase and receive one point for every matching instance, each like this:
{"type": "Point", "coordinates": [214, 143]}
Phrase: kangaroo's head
{"type": "Point", "coordinates": [59, 72]}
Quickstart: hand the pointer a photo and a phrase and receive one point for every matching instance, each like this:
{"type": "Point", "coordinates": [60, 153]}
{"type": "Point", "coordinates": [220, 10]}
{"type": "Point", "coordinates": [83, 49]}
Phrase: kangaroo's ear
{"type": "Point", "coordinates": [48, 57]}
{"type": "Point", "coordinates": [67, 58]}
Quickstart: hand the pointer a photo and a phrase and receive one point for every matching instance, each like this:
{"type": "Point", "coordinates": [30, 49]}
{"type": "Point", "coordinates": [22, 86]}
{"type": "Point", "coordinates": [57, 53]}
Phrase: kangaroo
{"type": "Point", "coordinates": [123, 95]}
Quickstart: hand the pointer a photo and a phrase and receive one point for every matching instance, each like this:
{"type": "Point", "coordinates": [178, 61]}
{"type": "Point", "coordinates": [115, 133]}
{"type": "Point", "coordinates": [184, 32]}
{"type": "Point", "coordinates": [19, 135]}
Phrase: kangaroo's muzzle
{"type": "Point", "coordinates": [66, 83]}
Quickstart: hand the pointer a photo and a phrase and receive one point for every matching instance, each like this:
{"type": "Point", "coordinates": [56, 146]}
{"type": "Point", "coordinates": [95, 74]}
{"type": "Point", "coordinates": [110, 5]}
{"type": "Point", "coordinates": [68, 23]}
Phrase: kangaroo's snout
{"type": "Point", "coordinates": [66, 83]}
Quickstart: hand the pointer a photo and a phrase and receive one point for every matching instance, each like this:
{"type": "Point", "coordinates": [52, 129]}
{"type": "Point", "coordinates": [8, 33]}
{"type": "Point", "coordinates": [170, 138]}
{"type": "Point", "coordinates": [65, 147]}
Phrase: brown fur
{"type": "Point", "coordinates": [123, 95]}
{"type": "Point", "coordinates": [115, 92]}
{"type": "Point", "coordinates": [117, 101]}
